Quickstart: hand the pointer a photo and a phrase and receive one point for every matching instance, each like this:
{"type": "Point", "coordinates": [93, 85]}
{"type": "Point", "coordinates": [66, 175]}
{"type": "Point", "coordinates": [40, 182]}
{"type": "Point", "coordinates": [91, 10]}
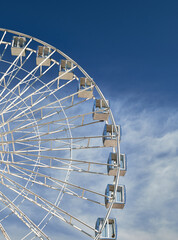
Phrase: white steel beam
{"type": "Point", "coordinates": [22, 216]}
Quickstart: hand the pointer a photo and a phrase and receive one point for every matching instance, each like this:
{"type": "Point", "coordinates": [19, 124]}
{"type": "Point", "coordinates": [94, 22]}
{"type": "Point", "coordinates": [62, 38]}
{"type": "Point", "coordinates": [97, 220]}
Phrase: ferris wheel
{"type": "Point", "coordinates": [60, 153]}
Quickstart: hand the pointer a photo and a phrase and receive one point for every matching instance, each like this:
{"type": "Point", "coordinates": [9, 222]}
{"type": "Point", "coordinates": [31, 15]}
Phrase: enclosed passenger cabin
{"type": "Point", "coordinates": [101, 110]}
{"type": "Point", "coordinates": [120, 199]}
{"type": "Point", "coordinates": [110, 136]}
{"type": "Point", "coordinates": [18, 43]}
{"type": "Point", "coordinates": [85, 89]}
{"type": "Point", "coordinates": [64, 72]}
{"type": "Point", "coordinates": [42, 53]}
{"type": "Point", "coordinates": [113, 166]}
{"type": "Point", "coordinates": [110, 229]}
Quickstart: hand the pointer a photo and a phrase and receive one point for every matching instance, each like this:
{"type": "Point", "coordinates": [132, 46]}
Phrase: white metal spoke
{"type": "Point", "coordinates": [41, 235]}
{"type": "Point", "coordinates": [44, 204]}
{"type": "Point", "coordinates": [29, 108]}
{"type": "Point", "coordinates": [46, 177]}
{"type": "Point", "coordinates": [3, 37]}
{"type": "Point", "coordinates": [44, 166]}
{"type": "Point", "coordinates": [67, 190]}
{"type": "Point", "coordinates": [4, 232]}
{"type": "Point", "coordinates": [29, 96]}
{"type": "Point", "coordinates": [51, 113]}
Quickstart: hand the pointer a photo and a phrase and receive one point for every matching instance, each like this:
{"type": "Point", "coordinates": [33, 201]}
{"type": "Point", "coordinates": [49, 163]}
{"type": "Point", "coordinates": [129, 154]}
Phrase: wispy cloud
{"type": "Point", "coordinates": [150, 137]}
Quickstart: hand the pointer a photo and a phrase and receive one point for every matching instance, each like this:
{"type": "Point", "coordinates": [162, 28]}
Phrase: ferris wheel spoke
{"type": "Point", "coordinates": [23, 217]}
{"type": "Point", "coordinates": [19, 68]}
{"type": "Point", "coordinates": [5, 47]}
{"type": "Point", "coordinates": [12, 73]}
{"type": "Point", "coordinates": [33, 77]}
{"type": "Point", "coordinates": [53, 149]}
{"type": "Point", "coordinates": [38, 90]}
{"type": "Point", "coordinates": [74, 94]}
{"type": "Point", "coordinates": [41, 109]}
{"type": "Point", "coordinates": [6, 44]}
{"type": "Point", "coordinates": [26, 158]}
{"type": "Point", "coordinates": [30, 140]}
{"type": "Point", "coordinates": [26, 163]}
{"type": "Point", "coordinates": [51, 113]}
{"type": "Point", "coordinates": [73, 168]}
{"type": "Point", "coordinates": [71, 119]}
{"type": "Point", "coordinates": [5, 88]}
{"type": "Point", "coordinates": [27, 108]}
{"type": "Point", "coordinates": [7, 107]}
{"type": "Point", "coordinates": [29, 146]}
{"type": "Point", "coordinates": [4, 102]}
{"type": "Point", "coordinates": [23, 176]}
{"type": "Point", "coordinates": [18, 95]}
{"type": "Point", "coordinates": [8, 75]}
{"type": "Point", "coordinates": [29, 73]}
{"type": "Point", "coordinates": [42, 148]}
{"type": "Point", "coordinates": [57, 101]}
{"type": "Point", "coordinates": [4, 232]}
{"type": "Point", "coordinates": [32, 124]}
{"type": "Point", "coordinates": [45, 204]}
{"type": "Point", "coordinates": [43, 73]}
{"type": "Point", "coordinates": [4, 34]}
{"type": "Point", "coordinates": [56, 180]}
{"type": "Point", "coordinates": [65, 159]}
{"type": "Point", "coordinates": [14, 110]}
{"type": "Point", "coordinates": [59, 139]}
{"type": "Point", "coordinates": [60, 129]}
{"type": "Point", "coordinates": [62, 149]}
{"type": "Point", "coordinates": [71, 124]}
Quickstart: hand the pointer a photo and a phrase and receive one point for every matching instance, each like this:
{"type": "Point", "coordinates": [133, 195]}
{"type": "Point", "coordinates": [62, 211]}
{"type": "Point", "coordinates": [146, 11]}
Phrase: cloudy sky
{"type": "Point", "coordinates": [130, 48]}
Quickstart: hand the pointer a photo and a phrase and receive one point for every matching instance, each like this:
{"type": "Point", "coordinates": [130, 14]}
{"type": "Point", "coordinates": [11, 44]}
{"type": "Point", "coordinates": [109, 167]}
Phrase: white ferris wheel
{"type": "Point", "coordinates": [60, 154]}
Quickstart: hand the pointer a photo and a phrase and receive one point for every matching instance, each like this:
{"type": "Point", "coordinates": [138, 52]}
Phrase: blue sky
{"type": "Point", "coordinates": [130, 48]}
{"type": "Point", "coordinates": [132, 43]}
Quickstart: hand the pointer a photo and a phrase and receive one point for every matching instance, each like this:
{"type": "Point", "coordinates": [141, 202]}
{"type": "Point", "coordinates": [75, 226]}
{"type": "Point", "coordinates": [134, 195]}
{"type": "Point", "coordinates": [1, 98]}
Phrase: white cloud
{"type": "Point", "coordinates": [150, 137]}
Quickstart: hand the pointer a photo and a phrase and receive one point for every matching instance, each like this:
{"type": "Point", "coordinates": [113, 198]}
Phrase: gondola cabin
{"type": "Point", "coordinates": [110, 229]}
{"type": "Point", "coordinates": [85, 89]}
{"type": "Point", "coordinates": [18, 43]}
{"type": "Point", "coordinates": [112, 167]}
{"type": "Point", "coordinates": [42, 53]}
{"type": "Point", "coordinates": [120, 199]}
{"type": "Point", "coordinates": [110, 135]}
{"type": "Point", "coordinates": [101, 110]}
{"type": "Point", "coordinates": [64, 71]}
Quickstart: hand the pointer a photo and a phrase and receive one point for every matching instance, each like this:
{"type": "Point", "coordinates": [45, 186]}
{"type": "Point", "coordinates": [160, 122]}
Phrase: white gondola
{"type": "Point", "coordinates": [110, 135]}
{"type": "Point", "coordinates": [18, 43]}
{"type": "Point", "coordinates": [110, 229]}
{"type": "Point", "coordinates": [120, 199]}
{"type": "Point", "coordinates": [85, 89]}
{"type": "Point", "coordinates": [101, 110]}
{"type": "Point", "coordinates": [65, 66]}
{"type": "Point", "coordinates": [112, 164]}
{"type": "Point", "coordinates": [42, 53]}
